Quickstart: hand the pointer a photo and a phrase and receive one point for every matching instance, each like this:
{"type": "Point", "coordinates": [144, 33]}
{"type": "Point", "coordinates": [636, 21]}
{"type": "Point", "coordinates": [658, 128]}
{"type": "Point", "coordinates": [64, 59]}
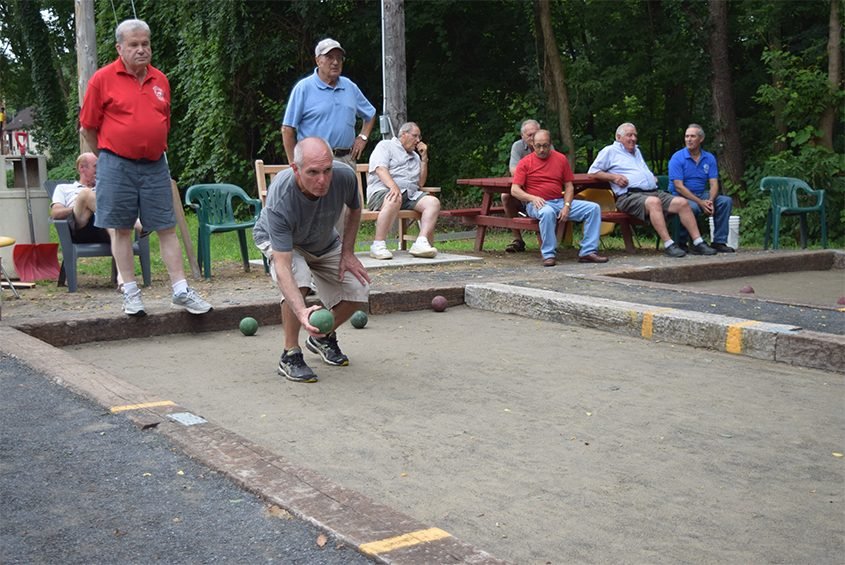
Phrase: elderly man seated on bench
{"type": "Point", "coordinates": [398, 168]}
{"type": "Point", "coordinates": [77, 203]}
{"type": "Point", "coordinates": [537, 181]}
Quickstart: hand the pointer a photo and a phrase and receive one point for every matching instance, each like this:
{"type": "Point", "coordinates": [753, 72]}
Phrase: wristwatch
{"type": "Point", "coordinates": [362, 136]}
{"type": "Point", "coordinates": [567, 204]}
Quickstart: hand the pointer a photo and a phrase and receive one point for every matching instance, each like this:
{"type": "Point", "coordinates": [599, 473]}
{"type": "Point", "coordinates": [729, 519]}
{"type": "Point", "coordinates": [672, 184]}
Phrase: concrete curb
{"type": "Point", "coordinates": [63, 333]}
{"type": "Point", "coordinates": [760, 340]}
{"type": "Point", "coordinates": [376, 530]}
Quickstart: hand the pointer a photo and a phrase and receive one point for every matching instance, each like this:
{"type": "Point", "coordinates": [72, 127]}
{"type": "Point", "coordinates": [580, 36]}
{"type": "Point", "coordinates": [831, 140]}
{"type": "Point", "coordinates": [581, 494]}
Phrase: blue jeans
{"type": "Point", "coordinates": [722, 207]}
{"type": "Point", "coordinates": [580, 211]}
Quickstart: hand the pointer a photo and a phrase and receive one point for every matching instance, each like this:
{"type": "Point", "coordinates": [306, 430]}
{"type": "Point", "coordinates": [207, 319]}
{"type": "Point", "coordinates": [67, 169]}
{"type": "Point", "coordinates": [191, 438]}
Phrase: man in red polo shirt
{"type": "Point", "coordinates": [125, 117]}
{"type": "Point", "coordinates": [539, 181]}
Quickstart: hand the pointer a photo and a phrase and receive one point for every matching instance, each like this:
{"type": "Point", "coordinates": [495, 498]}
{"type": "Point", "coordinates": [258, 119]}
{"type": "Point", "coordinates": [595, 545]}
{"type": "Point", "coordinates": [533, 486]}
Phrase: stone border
{"type": "Point", "coordinates": [760, 340]}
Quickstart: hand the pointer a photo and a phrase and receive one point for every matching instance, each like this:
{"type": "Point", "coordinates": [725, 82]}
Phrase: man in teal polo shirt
{"type": "Point", "coordinates": [694, 174]}
{"type": "Point", "coordinates": [327, 105]}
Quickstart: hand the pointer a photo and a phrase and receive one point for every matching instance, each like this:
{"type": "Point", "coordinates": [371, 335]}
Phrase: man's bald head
{"type": "Point", "coordinates": [312, 166]}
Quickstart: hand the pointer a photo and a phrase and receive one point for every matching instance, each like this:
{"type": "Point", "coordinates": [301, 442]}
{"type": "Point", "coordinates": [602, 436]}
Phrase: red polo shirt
{"type": "Point", "coordinates": [131, 119]}
{"type": "Point", "coordinates": [543, 177]}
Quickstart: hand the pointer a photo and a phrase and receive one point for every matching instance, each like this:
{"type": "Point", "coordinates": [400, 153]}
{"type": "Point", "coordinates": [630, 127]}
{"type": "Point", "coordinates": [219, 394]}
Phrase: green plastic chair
{"type": "Point", "coordinates": [783, 192]}
{"type": "Point", "coordinates": [213, 204]}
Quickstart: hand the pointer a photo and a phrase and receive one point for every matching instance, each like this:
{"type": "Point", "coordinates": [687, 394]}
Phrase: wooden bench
{"type": "Point", "coordinates": [499, 185]}
{"type": "Point", "coordinates": [264, 175]}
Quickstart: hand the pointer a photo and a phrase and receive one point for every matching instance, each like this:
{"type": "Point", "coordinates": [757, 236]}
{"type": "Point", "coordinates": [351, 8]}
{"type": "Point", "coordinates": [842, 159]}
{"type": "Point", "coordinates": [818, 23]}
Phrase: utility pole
{"type": "Point", "coordinates": [86, 52]}
{"type": "Point", "coordinates": [393, 67]}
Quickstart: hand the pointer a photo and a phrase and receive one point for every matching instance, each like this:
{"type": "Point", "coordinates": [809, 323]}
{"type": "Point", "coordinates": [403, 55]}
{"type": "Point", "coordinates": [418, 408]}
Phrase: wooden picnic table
{"type": "Point", "coordinates": [492, 186]}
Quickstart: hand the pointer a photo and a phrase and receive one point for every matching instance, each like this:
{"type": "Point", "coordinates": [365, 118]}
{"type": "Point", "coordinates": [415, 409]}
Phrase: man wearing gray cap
{"type": "Point", "coordinates": [326, 105]}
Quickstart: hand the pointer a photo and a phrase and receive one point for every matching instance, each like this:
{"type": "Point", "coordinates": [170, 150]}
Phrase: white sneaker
{"type": "Point", "coordinates": [133, 305]}
{"type": "Point", "coordinates": [190, 301]}
{"type": "Point", "coordinates": [380, 252]}
{"type": "Point", "coordinates": [421, 248]}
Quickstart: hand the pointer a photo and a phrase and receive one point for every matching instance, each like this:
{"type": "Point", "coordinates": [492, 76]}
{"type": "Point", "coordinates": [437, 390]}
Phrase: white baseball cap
{"type": "Point", "coordinates": [327, 45]}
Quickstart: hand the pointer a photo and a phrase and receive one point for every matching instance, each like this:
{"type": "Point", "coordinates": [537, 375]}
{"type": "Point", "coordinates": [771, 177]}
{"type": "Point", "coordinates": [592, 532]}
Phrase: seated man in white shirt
{"type": "Point", "coordinates": [398, 168]}
{"type": "Point", "coordinates": [77, 203]}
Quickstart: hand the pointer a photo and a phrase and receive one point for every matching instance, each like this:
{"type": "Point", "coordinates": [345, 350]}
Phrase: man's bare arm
{"type": "Point", "coordinates": [90, 137]}
{"type": "Point", "coordinates": [289, 141]}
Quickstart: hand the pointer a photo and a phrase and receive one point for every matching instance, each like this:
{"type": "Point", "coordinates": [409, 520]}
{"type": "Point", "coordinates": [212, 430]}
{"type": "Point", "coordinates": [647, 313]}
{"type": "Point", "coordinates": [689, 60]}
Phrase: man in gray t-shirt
{"type": "Point", "coordinates": [513, 206]}
{"type": "Point", "coordinates": [296, 232]}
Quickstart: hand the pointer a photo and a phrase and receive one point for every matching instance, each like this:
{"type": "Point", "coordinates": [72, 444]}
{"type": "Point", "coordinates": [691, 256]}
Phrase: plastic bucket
{"type": "Point", "coordinates": [733, 231]}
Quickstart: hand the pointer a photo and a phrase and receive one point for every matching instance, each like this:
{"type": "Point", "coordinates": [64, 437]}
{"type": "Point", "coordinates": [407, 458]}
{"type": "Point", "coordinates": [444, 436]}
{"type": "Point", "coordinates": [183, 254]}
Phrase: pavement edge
{"type": "Point", "coordinates": [760, 340]}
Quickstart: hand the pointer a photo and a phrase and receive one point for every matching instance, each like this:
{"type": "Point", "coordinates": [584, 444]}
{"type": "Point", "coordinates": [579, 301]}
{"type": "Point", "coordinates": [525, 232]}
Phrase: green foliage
{"type": "Point", "coordinates": [474, 72]}
{"type": "Point", "coordinates": [50, 93]}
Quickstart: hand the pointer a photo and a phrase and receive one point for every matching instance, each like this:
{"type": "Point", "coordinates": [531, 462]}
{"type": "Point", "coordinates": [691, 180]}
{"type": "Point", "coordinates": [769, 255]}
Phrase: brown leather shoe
{"type": "Point", "coordinates": [550, 262]}
{"type": "Point", "coordinates": [592, 258]}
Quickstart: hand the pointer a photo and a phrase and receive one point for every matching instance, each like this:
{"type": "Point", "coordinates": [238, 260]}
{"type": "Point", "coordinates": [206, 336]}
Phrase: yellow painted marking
{"type": "Point", "coordinates": [116, 409]}
{"type": "Point", "coordinates": [405, 540]}
{"type": "Point", "coordinates": [648, 321]}
{"type": "Point", "coordinates": [733, 339]}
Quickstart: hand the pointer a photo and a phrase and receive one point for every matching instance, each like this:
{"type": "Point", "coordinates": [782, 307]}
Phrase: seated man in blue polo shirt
{"type": "Point", "coordinates": [693, 174]}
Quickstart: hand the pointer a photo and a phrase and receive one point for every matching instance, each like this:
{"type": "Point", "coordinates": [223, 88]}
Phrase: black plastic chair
{"type": "Point", "coordinates": [71, 251]}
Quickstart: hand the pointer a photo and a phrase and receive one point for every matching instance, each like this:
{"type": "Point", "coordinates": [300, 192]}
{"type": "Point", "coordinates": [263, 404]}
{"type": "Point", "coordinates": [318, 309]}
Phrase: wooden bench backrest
{"type": "Point", "coordinates": [264, 175]}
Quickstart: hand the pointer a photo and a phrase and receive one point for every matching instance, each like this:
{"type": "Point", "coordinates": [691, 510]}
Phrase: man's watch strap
{"type": "Point", "coordinates": [362, 136]}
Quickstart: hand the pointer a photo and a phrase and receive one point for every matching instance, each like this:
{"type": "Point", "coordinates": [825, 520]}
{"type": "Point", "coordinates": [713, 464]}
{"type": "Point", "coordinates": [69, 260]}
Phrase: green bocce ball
{"type": "Point", "coordinates": [248, 326]}
{"type": "Point", "coordinates": [322, 319]}
{"type": "Point", "coordinates": [359, 319]}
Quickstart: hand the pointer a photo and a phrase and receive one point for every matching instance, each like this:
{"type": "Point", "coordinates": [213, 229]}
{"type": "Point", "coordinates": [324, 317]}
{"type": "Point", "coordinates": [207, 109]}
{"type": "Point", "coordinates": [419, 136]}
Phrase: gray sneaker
{"type": "Point", "coordinates": [702, 249]}
{"type": "Point", "coordinates": [674, 250]}
{"type": "Point", "coordinates": [328, 349]}
{"type": "Point", "coordinates": [293, 367]}
{"type": "Point", "coordinates": [133, 305]}
{"type": "Point", "coordinates": [190, 301]}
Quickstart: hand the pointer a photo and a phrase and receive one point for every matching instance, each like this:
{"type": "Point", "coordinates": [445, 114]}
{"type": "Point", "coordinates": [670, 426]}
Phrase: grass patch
{"type": "Point", "coordinates": [226, 249]}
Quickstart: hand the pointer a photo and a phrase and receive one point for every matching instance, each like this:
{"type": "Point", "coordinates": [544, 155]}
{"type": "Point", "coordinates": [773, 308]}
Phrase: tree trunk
{"type": "Point", "coordinates": [395, 85]}
{"type": "Point", "coordinates": [555, 67]}
{"type": "Point", "coordinates": [834, 73]}
{"type": "Point", "coordinates": [86, 52]}
{"type": "Point", "coordinates": [727, 133]}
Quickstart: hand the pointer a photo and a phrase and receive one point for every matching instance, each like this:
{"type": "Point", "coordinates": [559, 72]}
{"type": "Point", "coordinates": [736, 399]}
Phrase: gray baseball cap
{"type": "Point", "coordinates": [327, 45]}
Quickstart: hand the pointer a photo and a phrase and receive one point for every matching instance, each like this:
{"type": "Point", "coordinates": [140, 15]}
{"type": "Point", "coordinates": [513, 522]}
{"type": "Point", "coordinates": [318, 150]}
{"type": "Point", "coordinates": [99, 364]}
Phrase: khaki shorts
{"type": "Point", "coordinates": [634, 202]}
{"type": "Point", "coordinates": [323, 270]}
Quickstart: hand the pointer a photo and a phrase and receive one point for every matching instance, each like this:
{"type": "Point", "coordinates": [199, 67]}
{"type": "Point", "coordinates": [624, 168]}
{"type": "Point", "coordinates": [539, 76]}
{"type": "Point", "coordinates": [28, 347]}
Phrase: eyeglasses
{"type": "Point", "coordinates": [542, 145]}
{"type": "Point", "coordinates": [338, 58]}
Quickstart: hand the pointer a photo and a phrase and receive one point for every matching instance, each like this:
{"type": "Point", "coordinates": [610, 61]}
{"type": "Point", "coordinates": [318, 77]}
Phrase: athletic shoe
{"type": "Point", "coordinates": [722, 248]}
{"type": "Point", "coordinates": [133, 305]}
{"type": "Point", "coordinates": [380, 252]}
{"type": "Point", "coordinates": [674, 250]}
{"type": "Point", "coordinates": [702, 249]}
{"type": "Point", "coordinates": [293, 367]}
{"type": "Point", "coordinates": [328, 349]}
{"type": "Point", "coordinates": [421, 248]}
{"type": "Point", "coordinates": [190, 301]}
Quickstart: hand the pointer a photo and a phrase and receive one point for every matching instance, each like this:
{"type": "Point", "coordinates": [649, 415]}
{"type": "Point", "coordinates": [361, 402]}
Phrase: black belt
{"type": "Point", "coordinates": [642, 190]}
{"type": "Point", "coordinates": [141, 161]}
{"type": "Point", "coordinates": [342, 152]}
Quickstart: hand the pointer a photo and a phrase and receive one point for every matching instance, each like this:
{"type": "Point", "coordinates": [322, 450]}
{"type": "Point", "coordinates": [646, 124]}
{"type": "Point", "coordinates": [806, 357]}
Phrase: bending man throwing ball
{"type": "Point", "coordinates": [296, 232]}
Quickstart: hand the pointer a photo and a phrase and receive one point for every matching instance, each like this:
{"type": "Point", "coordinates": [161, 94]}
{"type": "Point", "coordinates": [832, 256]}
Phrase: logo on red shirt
{"type": "Point", "coordinates": [159, 93]}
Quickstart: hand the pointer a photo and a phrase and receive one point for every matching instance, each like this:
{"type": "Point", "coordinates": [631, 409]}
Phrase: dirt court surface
{"type": "Point", "coordinates": [537, 442]}
{"type": "Point", "coordinates": [818, 288]}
